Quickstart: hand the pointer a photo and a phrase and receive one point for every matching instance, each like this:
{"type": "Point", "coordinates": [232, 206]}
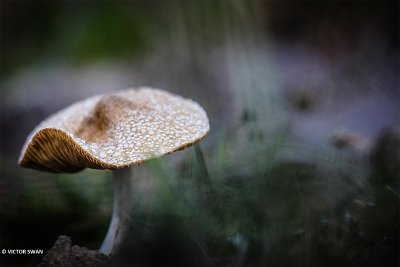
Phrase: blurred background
{"type": "Point", "coordinates": [302, 163]}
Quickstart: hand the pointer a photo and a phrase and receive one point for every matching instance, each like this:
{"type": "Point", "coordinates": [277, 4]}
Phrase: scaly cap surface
{"type": "Point", "coordinates": [114, 131]}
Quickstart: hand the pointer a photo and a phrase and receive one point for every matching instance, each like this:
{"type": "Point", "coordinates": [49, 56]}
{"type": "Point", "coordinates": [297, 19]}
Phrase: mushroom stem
{"type": "Point", "coordinates": [122, 206]}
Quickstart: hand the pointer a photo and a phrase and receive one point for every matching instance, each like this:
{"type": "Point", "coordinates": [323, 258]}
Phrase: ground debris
{"type": "Point", "coordinates": [62, 254]}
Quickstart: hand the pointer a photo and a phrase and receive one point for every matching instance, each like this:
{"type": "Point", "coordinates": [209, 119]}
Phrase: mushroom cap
{"type": "Point", "coordinates": [114, 131]}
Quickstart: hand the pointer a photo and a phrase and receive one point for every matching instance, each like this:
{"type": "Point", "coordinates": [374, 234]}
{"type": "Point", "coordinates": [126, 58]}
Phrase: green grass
{"type": "Point", "coordinates": [216, 209]}
{"type": "Point", "coordinates": [294, 213]}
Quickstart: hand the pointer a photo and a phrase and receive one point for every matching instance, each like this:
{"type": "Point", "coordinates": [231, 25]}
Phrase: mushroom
{"type": "Point", "coordinates": [115, 131]}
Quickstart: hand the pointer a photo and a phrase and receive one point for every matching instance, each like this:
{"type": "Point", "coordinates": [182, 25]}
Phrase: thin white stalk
{"type": "Point", "coordinates": [123, 200]}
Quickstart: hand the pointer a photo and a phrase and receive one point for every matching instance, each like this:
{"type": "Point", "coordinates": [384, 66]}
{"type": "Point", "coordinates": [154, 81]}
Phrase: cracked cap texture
{"type": "Point", "coordinates": [114, 131]}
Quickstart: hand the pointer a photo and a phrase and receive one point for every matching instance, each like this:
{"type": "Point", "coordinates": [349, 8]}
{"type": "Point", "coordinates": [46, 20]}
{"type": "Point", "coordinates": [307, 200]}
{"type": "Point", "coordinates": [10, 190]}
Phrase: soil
{"type": "Point", "coordinates": [64, 254]}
